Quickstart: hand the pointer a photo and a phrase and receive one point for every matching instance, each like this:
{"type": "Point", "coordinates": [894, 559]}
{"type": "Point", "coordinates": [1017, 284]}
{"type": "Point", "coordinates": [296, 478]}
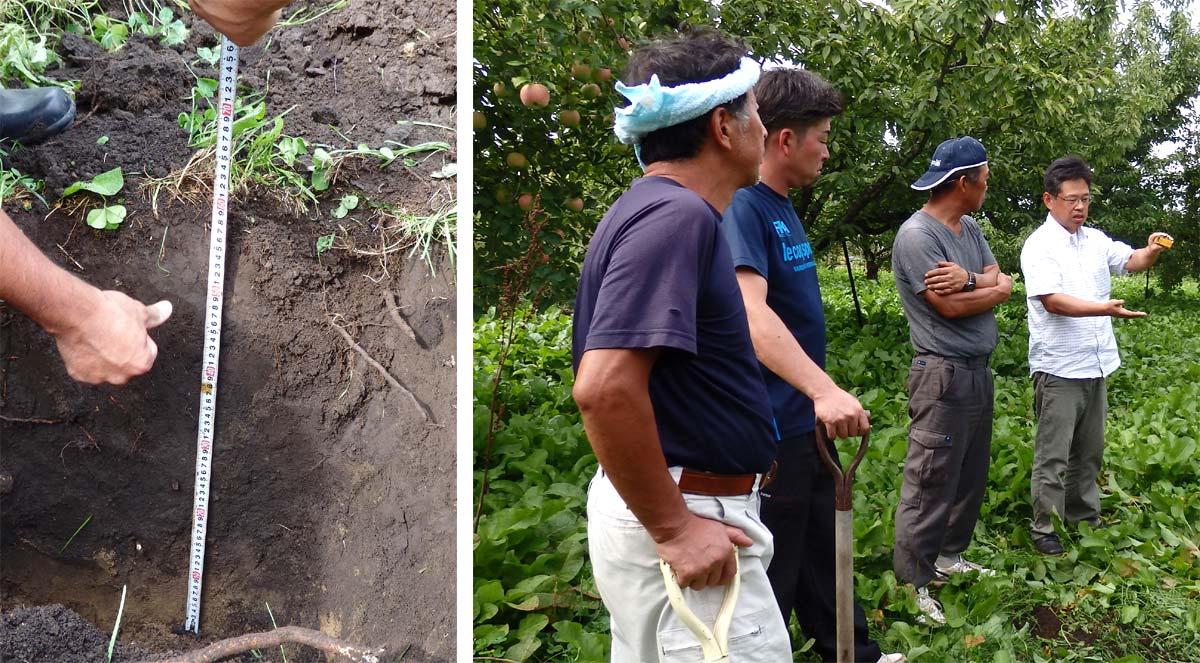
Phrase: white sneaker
{"type": "Point", "coordinates": [959, 565]}
{"type": "Point", "coordinates": [931, 610]}
{"type": "Point", "coordinates": [892, 658]}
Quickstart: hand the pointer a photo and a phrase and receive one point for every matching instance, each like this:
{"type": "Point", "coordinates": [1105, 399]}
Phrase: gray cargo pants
{"type": "Point", "coordinates": [946, 471]}
{"type": "Point", "coordinates": [1068, 449]}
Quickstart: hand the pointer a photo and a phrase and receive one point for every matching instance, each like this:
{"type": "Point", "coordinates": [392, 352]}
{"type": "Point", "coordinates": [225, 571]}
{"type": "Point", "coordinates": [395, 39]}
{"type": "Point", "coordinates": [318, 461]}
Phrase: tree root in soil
{"type": "Point", "coordinates": [268, 639]}
{"type": "Point", "coordinates": [428, 414]}
{"type": "Point", "coordinates": [390, 299]}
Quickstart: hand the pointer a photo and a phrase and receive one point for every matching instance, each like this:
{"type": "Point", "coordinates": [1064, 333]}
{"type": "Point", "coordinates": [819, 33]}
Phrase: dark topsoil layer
{"type": "Point", "coordinates": [332, 496]}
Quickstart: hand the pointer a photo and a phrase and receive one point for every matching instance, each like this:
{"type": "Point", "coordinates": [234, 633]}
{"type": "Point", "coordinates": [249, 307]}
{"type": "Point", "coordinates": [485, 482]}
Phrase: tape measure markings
{"type": "Point", "coordinates": [212, 329]}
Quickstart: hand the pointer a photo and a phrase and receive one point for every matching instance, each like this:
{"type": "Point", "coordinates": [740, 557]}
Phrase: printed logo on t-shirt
{"type": "Point", "coordinates": [799, 252]}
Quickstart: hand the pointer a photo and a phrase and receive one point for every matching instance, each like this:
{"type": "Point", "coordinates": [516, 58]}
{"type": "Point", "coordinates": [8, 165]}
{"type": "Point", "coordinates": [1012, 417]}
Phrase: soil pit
{"type": "Point", "coordinates": [332, 494]}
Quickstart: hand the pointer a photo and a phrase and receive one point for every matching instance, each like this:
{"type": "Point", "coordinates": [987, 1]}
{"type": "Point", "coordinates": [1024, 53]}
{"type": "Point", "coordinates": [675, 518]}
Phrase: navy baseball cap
{"type": "Point", "coordinates": [952, 156]}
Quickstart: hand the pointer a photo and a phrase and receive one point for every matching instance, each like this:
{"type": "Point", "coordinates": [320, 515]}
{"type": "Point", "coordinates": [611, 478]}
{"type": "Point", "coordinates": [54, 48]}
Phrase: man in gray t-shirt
{"type": "Point", "coordinates": [949, 283]}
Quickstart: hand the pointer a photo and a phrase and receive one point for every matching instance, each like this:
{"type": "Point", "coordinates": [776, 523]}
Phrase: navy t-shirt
{"type": "Point", "coordinates": [765, 235]}
{"type": "Point", "coordinates": [658, 275]}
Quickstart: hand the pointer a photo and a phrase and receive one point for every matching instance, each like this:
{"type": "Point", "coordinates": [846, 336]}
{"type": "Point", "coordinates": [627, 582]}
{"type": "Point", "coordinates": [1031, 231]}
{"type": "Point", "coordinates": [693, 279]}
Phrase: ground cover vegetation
{"type": "Point", "coordinates": [1033, 80]}
{"type": "Point", "coordinates": [1127, 593]}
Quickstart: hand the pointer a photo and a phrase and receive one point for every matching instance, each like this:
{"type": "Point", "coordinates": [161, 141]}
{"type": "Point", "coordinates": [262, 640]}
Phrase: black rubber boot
{"type": "Point", "coordinates": [32, 115]}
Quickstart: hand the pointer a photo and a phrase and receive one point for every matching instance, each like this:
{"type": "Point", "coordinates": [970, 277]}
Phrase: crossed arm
{"type": "Point", "coordinates": [991, 288]}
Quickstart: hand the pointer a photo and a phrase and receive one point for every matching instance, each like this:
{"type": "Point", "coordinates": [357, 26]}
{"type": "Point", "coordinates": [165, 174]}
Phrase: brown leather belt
{"type": "Point", "coordinates": [696, 482]}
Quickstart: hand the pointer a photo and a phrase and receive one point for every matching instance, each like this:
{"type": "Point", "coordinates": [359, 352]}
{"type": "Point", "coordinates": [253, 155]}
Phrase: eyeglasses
{"type": "Point", "coordinates": [1072, 201]}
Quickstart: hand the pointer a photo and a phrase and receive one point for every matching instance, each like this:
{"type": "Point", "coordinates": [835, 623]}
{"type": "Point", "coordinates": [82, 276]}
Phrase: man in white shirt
{"type": "Point", "coordinates": [1072, 349]}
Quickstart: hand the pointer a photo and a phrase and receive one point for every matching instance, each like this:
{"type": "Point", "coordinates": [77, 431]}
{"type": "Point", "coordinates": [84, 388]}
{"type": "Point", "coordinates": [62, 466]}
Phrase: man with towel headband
{"type": "Point", "coordinates": [666, 378]}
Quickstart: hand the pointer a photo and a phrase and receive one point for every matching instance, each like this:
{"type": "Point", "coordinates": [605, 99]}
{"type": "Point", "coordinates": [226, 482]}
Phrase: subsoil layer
{"type": "Point", "coordinates": [332, 495]}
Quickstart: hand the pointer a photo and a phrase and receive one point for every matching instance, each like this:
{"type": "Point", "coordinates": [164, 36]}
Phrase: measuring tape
{"type": "Point", "coordinates": [212, 328]}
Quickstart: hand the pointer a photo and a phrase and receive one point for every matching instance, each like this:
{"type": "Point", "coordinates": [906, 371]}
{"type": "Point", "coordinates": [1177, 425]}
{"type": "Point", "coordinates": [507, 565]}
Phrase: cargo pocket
{"type": "Point", "coordinates": [747, 640]}
{"type": "Point", "coordinates": [926, 470]}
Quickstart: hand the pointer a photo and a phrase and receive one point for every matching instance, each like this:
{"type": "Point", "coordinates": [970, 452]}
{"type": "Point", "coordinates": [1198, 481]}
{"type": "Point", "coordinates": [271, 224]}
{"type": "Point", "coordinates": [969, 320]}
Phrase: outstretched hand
{"type": "Point", "coordinates": [1116, 308]}
{"type": "Point", "coordinates": [703, 553]}
{"type": "Point", "coordinates": [110, 343]}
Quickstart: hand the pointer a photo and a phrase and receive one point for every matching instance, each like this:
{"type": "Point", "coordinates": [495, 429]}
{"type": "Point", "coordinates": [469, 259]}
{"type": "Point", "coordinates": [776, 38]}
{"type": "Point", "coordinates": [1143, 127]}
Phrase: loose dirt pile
{"type": "Point", "coordinates": [333, 496]}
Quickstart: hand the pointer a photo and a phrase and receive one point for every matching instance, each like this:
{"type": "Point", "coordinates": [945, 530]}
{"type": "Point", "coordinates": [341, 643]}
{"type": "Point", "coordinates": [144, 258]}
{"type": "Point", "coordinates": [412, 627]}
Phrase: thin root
{"type": "Point", "coordinates": [386, 375]}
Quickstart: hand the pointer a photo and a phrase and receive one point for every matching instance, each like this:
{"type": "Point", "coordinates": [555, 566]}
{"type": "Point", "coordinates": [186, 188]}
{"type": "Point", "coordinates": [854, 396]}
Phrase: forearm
{"type": "Point", "coordinates": [990, 277]}
{"type": "Point", "coordinates": [625, 439]}
{"type": "Point", "coordinates": [1062, 304]}
{"type": "Point", "coordinates": [964, 304]}
{"type": "Point", "coordinates": [612, 392]}
{"type": "Point", "coordinates": [34, 285]}
{"type": "Point", "coordinates": [778, 350]}
{"type": "Point", "coordinates": [1142, 259]}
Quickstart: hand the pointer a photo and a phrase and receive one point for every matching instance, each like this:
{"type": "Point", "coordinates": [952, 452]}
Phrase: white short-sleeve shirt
{"type": "Point", "coordinates": [1054, 260]}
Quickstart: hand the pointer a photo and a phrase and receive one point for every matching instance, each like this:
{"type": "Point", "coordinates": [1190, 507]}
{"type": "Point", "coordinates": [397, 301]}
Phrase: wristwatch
{"type": "Point", "coordinates": [970, 284]}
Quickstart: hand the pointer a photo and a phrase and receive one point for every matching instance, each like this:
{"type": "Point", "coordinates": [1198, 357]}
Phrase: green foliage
{"type": "Point", "coordinates": [108, 217]}
{"type": "Point", "coordinates": [534, 598]}
{"type": "Point", "coordinates": [1123, 593]}
{"type": "Point", "coordinates": [325, 242]}
{"type": "Point", "coordinates": [347, 203]}
{"type": "Point", "coordinates": [1033, 80]}
{"type": "Point", "coordinates": [108, 183]}
{"type": "Point", "coordinates": [25, 57]}
{"type": "Point", "coordinates": [565, 45]}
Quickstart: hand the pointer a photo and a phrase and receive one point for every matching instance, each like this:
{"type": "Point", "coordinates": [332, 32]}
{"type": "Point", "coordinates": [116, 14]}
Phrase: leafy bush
{"type": "Point", "coordinates": [1125, 593]}
{"type": "Point", "coordinates": [533, 590]}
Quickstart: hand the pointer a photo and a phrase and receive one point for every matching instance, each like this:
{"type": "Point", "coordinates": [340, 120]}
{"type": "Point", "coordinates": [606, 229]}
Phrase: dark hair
{"type": "Point", "coordinates": [1070, 167]}
{"type": "Point", "coordinates": [795, 98]}
{"type": "Point", "coordinates": [972, 175]}
{"type": "Point", "coordinates": [701, 54]}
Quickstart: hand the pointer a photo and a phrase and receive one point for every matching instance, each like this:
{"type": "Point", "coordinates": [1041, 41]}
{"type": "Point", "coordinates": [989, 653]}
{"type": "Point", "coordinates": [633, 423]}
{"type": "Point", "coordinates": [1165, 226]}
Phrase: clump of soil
{"type": "Point", "coordinates": [56, 633]}
{"type": "Point", "coordinates": [332, 494]}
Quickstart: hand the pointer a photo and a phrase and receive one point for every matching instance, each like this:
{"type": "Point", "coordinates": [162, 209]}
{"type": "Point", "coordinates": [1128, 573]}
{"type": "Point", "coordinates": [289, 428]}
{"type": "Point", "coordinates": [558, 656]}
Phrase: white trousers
{"type": "Point", "coordinates": [644, 627]}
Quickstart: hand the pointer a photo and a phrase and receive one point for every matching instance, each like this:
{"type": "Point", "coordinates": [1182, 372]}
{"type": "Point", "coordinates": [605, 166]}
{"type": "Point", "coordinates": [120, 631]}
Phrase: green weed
{"type": "Point", "coordinates": [76, 533]}
{"type": "Point", "coordinates": [16, 187]}
{"type": "Point", "coordinates": [1124, 593]}
{"type": "Point", "coordinates": [108, 183]}
{"type": "Point", "coordinates": [26, 56]}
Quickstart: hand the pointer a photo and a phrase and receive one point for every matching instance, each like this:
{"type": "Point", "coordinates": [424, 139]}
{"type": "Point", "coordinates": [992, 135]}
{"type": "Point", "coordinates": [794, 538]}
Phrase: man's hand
{"type": "Point", "coordinates": [1116, 308]}
{"type": "Point", "coordinates": [946, 278]}
{"type": "Point", "coordinates": [841, 413]}
{"type": "Point", "coordinates": [243, 21]}
{"type": "Point", "coordinates": [110, 343]}
{"type": "Point", "coordinates": [1153, 245]}
{"type": "Point", "coordinates": [702, 552]}
{"type": "Point", "coordinates": [1004, 282]}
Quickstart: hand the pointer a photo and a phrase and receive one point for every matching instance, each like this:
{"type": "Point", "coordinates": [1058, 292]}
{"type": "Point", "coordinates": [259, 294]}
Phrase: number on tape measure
{"type": "Point", "coordinates": [205, 434]}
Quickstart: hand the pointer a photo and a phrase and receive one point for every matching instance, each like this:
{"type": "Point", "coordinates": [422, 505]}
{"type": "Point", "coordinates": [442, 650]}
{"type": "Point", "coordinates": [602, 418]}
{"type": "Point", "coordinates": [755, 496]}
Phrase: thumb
{"type": "Point", "coordinates": [738, 537]}
{"type": "Point", "coordinates": [157, 313]}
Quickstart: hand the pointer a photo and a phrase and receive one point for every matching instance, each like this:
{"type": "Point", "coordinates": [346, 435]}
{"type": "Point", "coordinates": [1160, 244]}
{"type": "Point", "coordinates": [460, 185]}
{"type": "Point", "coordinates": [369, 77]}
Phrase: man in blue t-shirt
{"type": "Point", "coordinates": [671, 396]}
{"type": "Point", "coordinates": [778, 280]}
